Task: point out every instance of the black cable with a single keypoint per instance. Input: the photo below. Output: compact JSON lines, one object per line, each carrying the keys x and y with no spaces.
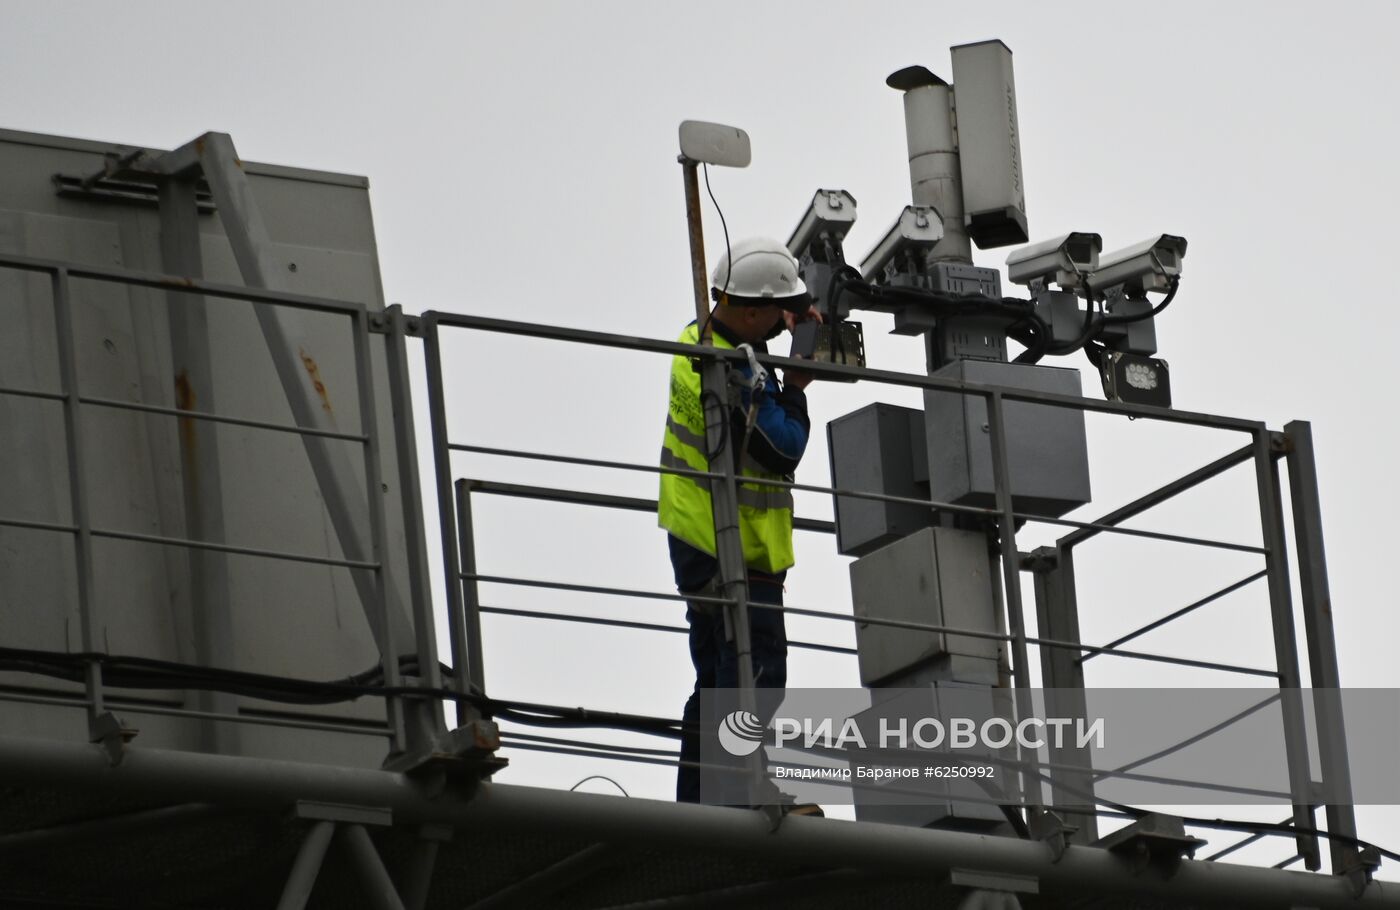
{"x":1173,"y":283}
{"x":723,"y":409}
{"x":149,"y":673}
{"x":729,"y":272}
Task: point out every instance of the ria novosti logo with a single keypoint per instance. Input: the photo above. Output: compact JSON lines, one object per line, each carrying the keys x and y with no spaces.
{"x":741,"y":733}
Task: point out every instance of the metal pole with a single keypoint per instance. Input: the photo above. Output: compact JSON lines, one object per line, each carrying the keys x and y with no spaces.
{"x":1011,"y":574}
{"x":378,"y":886}
{"x":415,"y":539}
{"x":1322,"y":643}
{"x":381,"y":619}
{"x":1285,"y":644}
{"x":306,"y":867}
{"x":729,"y":547}
{"x":1057,"y":614}
{"x":471,"y":592}
{"x":90,"y":629}
{"x":447,"y":522}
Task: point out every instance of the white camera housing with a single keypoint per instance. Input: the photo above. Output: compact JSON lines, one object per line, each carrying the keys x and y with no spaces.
{"x":1065,"y":260}
{"x":830,"y":215}
{"x":918,"y":228}
{"x":1146,"y":266}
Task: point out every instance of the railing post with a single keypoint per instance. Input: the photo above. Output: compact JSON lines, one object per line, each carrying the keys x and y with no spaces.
{"x":471,"y":593}
{"x":729,"y":547}
{"x":89,"y":624}
{"x":462,"y":663}
{"x":429,"y":712}
{"x":1285,"y":644}
{"x":1011,"y":576}
{"x":379,"y":549}
{"x":1322,"y":643}
{"x":1057,"y":614}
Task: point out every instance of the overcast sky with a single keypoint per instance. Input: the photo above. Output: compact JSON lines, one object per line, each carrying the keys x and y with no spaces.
{"x":522,"y":165}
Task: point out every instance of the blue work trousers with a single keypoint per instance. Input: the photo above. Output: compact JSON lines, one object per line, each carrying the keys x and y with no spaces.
{"x":717,"y":667}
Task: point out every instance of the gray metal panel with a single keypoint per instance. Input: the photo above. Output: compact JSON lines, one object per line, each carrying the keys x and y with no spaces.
{"x":989,"y":144}
{"x":1047,"y":450}
{"x":288,"y":618}
{"x":878,"y":449}
{"x":938,"y":576}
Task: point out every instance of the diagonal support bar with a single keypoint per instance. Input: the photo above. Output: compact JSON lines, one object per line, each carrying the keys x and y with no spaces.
{"x":306,"y":867}
{"x":379,"y":888}
{"x":341,"y":489}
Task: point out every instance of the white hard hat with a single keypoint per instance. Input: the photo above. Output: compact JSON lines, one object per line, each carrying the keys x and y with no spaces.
{"x":763,"y":272}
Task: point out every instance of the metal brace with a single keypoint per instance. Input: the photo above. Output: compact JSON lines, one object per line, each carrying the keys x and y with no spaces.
{"x":1360,"y":867}
{"x":1048,"y":828}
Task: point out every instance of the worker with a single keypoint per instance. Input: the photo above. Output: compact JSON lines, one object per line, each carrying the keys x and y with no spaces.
{"x":757,"y":293}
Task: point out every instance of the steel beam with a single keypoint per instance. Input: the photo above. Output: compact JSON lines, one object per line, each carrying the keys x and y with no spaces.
{"x":271,"y":786}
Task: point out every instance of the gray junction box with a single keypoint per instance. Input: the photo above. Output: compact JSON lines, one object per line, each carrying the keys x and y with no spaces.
{"x":937,"y":576}
{"x":878,"y":449}
{"x":1046,"y":446}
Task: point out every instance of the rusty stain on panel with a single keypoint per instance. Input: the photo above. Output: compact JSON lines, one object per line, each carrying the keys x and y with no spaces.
{"x":185,"y":401}
{"x":314,"y":372}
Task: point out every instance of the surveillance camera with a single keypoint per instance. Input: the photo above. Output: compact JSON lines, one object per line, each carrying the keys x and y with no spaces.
{"x":918,"y":229}
{"x":829,"y":217}
{"x":1065,"y":260}
{"x":1146,"y":266}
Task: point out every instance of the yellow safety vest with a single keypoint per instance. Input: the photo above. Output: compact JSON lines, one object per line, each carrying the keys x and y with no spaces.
{"x":684,"y":506}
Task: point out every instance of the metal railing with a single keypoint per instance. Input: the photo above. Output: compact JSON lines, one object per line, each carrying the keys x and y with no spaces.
{"x":1063,"y":655}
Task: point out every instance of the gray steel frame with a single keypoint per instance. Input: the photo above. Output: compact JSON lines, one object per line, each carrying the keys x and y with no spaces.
{"x":1053,"y":569}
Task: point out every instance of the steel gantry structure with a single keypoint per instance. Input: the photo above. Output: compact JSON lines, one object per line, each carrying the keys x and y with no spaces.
{"x":98,"y":814}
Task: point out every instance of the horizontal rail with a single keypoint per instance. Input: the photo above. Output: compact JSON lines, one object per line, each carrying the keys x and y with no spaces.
{"x":38,"y":525}
{"x":845,"y":617}
{"x":1042,"y":642}
{"x":835,"y":371}
{"x":236,"y":550}
{"x":856,"y":494}
{"x":647,"y":626}
{"x":180,"y":412}
{"x":33,"y":393}
{"x":609,"y":500}
{"x":164,"y":282}
{"x":295,"y":429}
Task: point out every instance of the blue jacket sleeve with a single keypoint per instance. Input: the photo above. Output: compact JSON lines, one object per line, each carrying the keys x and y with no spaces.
{"x":780,"y":431}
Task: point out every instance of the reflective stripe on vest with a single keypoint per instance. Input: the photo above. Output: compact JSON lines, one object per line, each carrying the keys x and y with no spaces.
{"x":684,"y":507}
